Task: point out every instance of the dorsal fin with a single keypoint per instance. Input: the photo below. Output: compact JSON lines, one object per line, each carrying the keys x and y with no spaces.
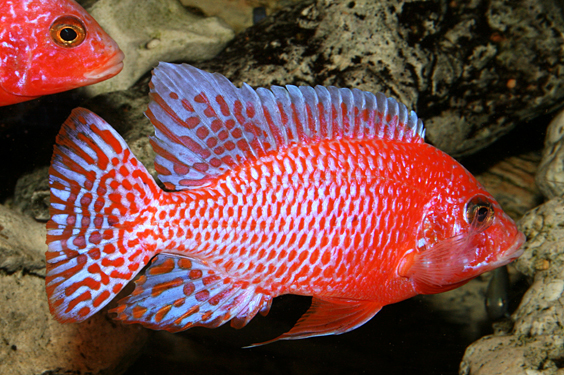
{"x":204,"y":125}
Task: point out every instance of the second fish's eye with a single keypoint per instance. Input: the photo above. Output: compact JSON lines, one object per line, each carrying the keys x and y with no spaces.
{"x":479,"y":211}
{"x":68,"y":31}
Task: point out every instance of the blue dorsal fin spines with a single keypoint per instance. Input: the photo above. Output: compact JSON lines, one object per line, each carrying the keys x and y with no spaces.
{"x":287,"y":125}
{"x":360,"y":105}
{"x":264,"y":136}
{"x":272,"y":117}
{"x":298,"y":113}
{"x":392,"y":111}
{"x":370,"y":104}
{"x":382,"y":105}
{"x":205,"y":126}
{"x":335,"y":112}
{"x":348,"y":116}
{"x":324,"y":113}
{"x":313,"y":116}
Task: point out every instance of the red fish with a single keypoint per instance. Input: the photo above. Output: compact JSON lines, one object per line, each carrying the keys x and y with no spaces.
{"x":323,"y":192}
{"x":49,"y":46}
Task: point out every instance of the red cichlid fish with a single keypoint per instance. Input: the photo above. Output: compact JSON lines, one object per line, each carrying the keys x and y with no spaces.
{"x":49,"y":46}
{"x":323,"y":192}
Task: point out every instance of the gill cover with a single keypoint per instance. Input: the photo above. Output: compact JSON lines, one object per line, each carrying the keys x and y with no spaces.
{"x":445,"y":264}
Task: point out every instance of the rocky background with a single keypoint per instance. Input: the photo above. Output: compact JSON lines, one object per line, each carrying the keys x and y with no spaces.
{"x":486,"y":78}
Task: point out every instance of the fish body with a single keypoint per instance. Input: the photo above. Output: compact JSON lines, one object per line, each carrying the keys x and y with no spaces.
{"x":49,"y":46}
{"x":324,"y":192}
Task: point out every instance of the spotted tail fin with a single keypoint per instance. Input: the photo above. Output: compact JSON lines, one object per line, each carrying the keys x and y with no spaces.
{"x":100,"y":197}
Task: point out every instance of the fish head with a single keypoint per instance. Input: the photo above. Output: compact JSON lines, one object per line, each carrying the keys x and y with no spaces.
{"x":464,"y":233}
{"x":56,"y":46}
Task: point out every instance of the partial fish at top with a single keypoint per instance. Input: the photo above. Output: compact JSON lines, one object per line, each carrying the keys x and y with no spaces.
{"x":49,"y":46}
{"x":323,"y":192}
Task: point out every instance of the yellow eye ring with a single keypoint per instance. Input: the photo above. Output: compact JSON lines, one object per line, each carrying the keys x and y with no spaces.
{"x":68,"y":31}
{"x":479,"y":212}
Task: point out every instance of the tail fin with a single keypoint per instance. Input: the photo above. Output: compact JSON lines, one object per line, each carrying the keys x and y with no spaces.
{"x":100,"y":194}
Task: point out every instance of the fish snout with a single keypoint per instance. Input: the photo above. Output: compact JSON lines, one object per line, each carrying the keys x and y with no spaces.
{"x":110,"y":68}
{"x":516,"y":249}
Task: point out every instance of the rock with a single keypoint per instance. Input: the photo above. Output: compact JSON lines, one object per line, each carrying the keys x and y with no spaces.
{"x":536,"y":343}
{"x":469,"y":69}
{"x":32,"y":341}
{"x":155,"y":30}
{"x":32,"y":194}
{"x":238,"y":14}
{"x":512,"y":183}
{"x":22,"y":243}
{"x":550,"y":176}
{"x":520,"y":356}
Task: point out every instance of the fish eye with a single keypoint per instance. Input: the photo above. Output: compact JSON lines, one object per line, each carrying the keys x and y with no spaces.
{"x":68,"y":31}
{"x":479,"y":211}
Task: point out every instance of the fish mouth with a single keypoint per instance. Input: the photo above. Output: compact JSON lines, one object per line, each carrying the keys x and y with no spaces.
{"x":516,"y":250}
{"x":112,"y":67}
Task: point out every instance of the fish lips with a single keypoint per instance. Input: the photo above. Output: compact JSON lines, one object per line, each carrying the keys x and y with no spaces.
{"x":112,"y":67}
{"x":511,"y":254}
{"x":516,"y":250}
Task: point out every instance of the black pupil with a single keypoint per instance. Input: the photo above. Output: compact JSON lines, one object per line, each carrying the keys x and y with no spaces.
{"x":482,"y":213}
{"x":68,"y":34}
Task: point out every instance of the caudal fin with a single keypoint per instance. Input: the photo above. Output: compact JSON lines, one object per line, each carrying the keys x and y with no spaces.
{"x":100,"y":196}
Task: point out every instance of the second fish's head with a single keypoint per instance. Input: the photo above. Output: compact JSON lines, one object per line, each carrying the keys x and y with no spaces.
{"x":57,"y":46}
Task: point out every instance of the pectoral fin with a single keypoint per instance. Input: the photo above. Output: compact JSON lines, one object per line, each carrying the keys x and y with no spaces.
{"x":330,"y":317}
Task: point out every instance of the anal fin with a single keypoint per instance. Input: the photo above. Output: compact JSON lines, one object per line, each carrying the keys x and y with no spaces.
{"x":177,"y":293}
{"x":330,"y":316}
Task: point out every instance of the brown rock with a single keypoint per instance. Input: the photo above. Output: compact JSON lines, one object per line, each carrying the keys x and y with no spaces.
{"x":150,"y":31}
{"x":550,"y":176}
{"x":512,"y":183}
